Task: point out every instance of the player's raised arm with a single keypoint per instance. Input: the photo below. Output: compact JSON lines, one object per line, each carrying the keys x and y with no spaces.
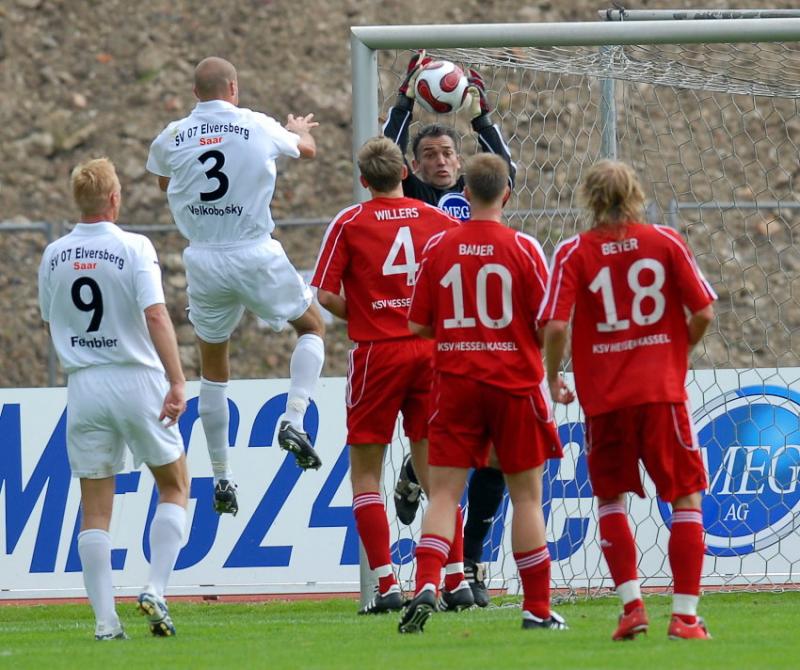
{"x":399,"y":118}
{"x":302,"y":126}
{"x":489,"y":136}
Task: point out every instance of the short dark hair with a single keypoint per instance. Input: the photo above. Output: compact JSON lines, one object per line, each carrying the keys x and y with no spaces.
{"x":380,"y":162}
{"x":486,"y":177}
{"x":435,"y":130}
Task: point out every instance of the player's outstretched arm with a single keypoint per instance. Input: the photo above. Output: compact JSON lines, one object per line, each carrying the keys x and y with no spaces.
{"x":698,"y":324}
{"x":333,"y":302}
{"x":489,"y":135}
{"x":159,"y":325}
{"x":555,"y":344}
{"x":302,"y":126}
{"x":399,"y":118}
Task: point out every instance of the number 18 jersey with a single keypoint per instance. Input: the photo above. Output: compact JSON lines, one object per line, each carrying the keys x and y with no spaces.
{"x":372,"y":250}
{"x":94,"y":285}
{"x":220,"y":161}
{"x":627,"y":295}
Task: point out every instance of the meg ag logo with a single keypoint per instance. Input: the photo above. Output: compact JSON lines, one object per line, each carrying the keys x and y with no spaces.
{"x":750,"y":439}
{"x":455,"y":204}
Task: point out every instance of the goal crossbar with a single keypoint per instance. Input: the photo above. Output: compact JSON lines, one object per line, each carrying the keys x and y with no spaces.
{"x":577,"y":34}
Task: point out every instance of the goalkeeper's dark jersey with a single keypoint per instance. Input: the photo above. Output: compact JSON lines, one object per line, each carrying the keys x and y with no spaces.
{"x":489,"y":138}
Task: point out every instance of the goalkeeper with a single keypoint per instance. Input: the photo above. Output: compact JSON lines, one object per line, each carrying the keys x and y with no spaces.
{"x":434,"y":176}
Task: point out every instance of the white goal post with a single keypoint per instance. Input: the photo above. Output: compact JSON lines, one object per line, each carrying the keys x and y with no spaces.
{"x":708,"y":112}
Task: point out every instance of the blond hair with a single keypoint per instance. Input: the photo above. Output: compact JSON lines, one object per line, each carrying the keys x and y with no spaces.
{"x":612,"y":192}
{"x":92,"y":184}
{"x":486,"y":177}
{"x":380,"y":162}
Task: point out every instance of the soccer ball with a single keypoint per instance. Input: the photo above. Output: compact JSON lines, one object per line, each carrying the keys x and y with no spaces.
{"x":441,"y":87}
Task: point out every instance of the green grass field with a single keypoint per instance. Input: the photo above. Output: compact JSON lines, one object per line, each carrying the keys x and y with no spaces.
{"x":750,"y":631}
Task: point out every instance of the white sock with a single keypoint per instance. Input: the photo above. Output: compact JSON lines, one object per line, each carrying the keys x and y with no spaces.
{"x":683,"y":603}
{"x":94,"y":548}
{"x":166,"y":538}
{"x":629,"y":591}
{"x":212,"y":406}
{"x":304,"y":370}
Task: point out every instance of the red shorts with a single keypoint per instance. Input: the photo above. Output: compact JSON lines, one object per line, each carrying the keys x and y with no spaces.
{"x":468,"y":416}
{"x":661,"y":435}
{"x":385,"y":378}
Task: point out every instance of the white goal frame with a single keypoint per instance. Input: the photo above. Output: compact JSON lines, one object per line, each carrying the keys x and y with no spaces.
{"x":616,"y":30}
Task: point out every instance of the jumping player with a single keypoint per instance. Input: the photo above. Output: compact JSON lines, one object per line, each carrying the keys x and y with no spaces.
{"x":477,"y":295}
{"x":628,"y":286}
{"x":370,"y":250}
{"x":217,"y":167}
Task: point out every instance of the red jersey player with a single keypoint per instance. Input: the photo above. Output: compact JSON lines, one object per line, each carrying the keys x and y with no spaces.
{"x":627,"y":287}
{"x":371,"y":250}
{"x":477,"y":295}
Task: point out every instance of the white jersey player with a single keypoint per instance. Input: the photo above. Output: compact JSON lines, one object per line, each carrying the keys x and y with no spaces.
{"x":100,"y":292}
{"x":217,"y":167}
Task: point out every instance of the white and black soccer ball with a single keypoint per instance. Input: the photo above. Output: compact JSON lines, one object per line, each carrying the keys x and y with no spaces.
{"x":441,"y":87}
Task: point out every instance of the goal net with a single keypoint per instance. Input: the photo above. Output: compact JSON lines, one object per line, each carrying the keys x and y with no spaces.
{"x":712,"y":128}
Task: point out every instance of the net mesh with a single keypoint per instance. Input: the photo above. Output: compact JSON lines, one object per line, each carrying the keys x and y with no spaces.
{"x":712,"y":131}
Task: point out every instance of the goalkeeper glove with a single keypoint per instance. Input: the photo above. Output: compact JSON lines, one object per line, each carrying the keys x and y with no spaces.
{"x":479,"y":104}
{"x":417,"y":62}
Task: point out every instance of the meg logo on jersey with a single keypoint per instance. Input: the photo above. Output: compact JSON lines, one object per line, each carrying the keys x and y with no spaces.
{"x":750,"y":439}
{"x":455,"y":204}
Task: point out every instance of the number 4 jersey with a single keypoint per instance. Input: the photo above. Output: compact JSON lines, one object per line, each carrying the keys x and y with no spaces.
{"x":372,"y":250}
{"x":220,"y":161}
{"x":94,"y":285}
{"x":480,"y":287}
{"x":629,"y":332}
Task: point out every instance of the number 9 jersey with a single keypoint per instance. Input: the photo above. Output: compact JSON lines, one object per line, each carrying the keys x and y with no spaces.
{"x":94,"y":285}
{"x":630,"y":342}
{"x":220,"y":161}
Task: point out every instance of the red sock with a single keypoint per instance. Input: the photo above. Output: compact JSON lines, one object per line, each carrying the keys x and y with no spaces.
{"x":534,"y":572}
{"x":619,"y":550}
{"x":373,"y":529}
{"x":431,"y":554}
{"x":454,"y":565}
{"x":686,"y":550}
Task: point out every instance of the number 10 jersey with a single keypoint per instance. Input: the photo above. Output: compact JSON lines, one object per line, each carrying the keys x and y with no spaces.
{"x":94,"y":285}
{"x":220,"y":161}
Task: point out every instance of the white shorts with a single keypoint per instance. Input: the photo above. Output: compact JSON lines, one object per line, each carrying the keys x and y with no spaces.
{"x":257,"y":275}
{"x":110,"y":406}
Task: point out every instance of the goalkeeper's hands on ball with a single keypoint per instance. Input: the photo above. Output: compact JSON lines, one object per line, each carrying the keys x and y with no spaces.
{"x":479,"y":104}
{"x":406,"y":93}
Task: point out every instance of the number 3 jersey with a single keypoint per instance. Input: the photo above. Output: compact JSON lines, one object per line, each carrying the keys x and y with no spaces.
{"x":94,"y":285}
{"x":372,"y":251}
{"x":220,"y":161}
{"x":480,"y":287}
{"x":630,"y":341}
